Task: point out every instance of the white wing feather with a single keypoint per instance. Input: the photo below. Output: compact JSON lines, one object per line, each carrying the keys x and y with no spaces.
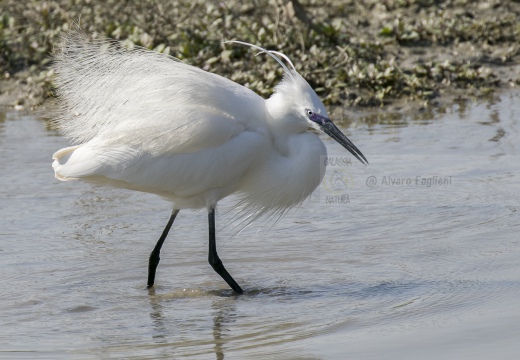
{"x":143,"y":97}
{"x":142,"y":118}
{"x":148,"y":122}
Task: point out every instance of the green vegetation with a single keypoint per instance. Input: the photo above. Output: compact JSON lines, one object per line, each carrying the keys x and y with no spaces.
{"x":369,"y":53}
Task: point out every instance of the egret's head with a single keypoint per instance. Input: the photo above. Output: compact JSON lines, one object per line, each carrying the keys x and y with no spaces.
{"x":293,"y":103}
{"x":296,"y":108}
{"x":297,"y":101}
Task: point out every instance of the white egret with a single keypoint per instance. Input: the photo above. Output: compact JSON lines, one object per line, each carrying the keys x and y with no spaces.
{"x":148,"y":122}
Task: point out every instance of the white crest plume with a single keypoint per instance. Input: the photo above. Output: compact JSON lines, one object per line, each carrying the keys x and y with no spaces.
{"x":271,"y":53}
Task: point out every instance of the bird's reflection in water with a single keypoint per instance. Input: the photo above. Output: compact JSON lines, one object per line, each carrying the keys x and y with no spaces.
{"x":219,"y":317}
{"x":156,"y":315}
{"x":224,"y":313}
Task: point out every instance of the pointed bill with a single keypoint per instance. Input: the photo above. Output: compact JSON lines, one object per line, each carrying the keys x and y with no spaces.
{"x":330,"y":129}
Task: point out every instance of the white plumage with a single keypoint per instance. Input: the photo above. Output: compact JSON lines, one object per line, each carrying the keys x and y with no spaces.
{"x":145,"y":121}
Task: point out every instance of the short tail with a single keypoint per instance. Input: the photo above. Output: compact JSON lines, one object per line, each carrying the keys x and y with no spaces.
{"x":93,"y":160}
{"x":60,"y":158}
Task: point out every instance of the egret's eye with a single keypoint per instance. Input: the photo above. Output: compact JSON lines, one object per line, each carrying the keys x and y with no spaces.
{"x":309,"y":112}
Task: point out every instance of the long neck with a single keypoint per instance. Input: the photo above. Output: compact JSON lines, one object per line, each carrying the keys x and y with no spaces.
{"x":282,"y":119}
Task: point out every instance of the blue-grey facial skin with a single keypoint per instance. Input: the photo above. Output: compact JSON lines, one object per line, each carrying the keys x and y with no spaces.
{"x":318,"y":119}
{"x":328,"y":127}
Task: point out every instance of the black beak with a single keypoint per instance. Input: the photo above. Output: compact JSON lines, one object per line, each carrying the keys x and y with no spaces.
{"x":330,"y":129}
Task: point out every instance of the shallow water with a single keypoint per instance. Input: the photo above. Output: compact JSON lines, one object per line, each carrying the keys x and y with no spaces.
{"x":415,"y":256}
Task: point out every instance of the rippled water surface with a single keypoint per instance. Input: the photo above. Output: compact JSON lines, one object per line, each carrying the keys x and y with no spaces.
{"x":416,"y":256}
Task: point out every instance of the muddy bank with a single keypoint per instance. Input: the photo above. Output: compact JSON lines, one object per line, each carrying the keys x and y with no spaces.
{"x":378,"y":53}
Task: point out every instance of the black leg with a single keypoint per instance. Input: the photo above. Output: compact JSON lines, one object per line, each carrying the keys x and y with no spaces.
{"x":213,"y":258}
{"x":154,"y":256}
